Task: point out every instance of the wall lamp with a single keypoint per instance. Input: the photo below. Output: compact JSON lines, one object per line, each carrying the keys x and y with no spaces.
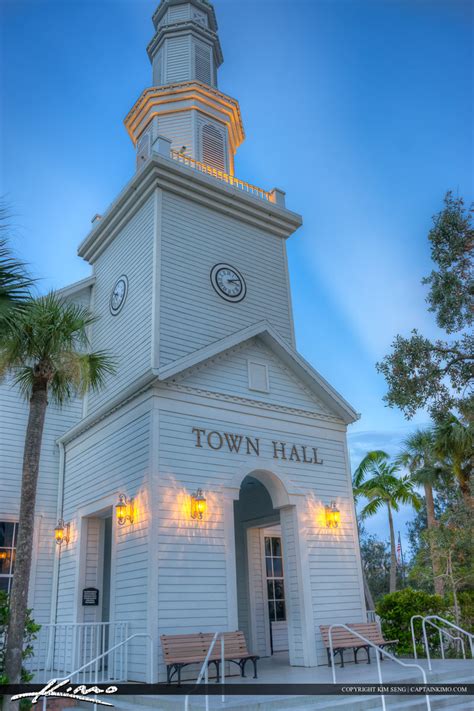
{"x":333,"y":516}
{"x":198,"y":505}
{"x":62,"y":532}
{"x":124,"y":510}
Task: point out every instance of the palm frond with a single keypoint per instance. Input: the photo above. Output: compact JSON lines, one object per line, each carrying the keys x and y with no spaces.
{"x":371,"y":463}
{"x":50,"y":334}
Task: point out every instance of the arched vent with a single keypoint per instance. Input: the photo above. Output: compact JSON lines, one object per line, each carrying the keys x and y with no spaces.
{"x":202,"y":62}
{"x":213,"y":152}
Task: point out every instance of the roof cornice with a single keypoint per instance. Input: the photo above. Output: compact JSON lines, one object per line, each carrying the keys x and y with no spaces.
{"x":202,"y":5}
{"x":157,"y":100}
{"x":169,"y":175}
{"x":185,"y":27}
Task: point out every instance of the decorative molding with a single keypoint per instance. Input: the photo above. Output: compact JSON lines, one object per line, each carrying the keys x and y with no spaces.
{"x":261,"y":404}
{"x":190,"y":26}
{"x":196,"y":95}
{"x":170,"y":175}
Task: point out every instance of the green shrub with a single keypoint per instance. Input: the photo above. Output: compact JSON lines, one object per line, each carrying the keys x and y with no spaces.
{"x":396,"y":610}
{"x":31,"y":628}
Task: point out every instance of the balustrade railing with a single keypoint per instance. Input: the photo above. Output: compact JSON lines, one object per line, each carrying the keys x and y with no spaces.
{"x":62,"y":647}
{"x":220,"y":175}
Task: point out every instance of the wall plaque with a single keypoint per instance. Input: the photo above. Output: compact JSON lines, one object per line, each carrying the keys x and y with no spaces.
{"x":90,"y":596}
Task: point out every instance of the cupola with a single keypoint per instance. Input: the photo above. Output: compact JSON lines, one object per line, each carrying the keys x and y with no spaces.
{"x":184,"y":104}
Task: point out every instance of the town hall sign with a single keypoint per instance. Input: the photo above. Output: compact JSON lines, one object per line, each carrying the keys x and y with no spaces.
{"x":215,"y":440}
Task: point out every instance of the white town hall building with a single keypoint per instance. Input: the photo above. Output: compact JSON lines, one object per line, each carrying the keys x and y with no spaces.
{"x":226,"y":449}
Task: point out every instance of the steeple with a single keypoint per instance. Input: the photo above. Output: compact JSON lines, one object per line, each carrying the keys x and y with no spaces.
{"x":184,"y":104}
{"x":185,"y":46}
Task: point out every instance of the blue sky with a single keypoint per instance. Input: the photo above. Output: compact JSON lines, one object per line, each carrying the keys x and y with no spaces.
{"x":360,"y":109}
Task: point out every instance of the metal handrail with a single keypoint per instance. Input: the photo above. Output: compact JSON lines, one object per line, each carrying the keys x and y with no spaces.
{"x":382,"y":651}
{"x":58,"y":639}
{"x":441,"y":632}
{"x":104,"y":654}
{"x":428,"y":619}
{"x":205,"y":669}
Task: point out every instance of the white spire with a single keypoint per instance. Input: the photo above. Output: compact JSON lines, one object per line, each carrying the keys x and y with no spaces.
{"x":184,"y":104}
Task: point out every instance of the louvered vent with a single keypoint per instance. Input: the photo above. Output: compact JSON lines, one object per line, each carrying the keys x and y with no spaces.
{"x":202,"y":62}
{"x":143,"y":149}
{"x":213,"y":147}
{"x":178,"y":60}
{"x":178,"y":13}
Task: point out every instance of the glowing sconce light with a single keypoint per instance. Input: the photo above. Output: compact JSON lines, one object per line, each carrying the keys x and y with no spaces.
{"x":333,"y":516}
{"x":62,"y":532}
{"x":4,"y":555}
{"x":198,"y":505}
{"x":124,"y":510}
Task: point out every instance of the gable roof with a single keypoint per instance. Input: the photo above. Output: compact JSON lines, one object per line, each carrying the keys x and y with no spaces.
{"x":288,"y":355}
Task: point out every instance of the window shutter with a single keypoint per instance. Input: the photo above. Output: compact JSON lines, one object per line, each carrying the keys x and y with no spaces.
{"x":213,"y":153}
{"x":202,"y":62}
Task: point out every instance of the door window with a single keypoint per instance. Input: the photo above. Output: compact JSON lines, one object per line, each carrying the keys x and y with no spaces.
{"x":275,"y":580}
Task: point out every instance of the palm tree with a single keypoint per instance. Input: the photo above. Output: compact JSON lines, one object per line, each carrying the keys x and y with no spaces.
{"x":419,"y":457}
{"x":384,"y":488}
{"x":454,"y":445}
{"x":44,"y":348}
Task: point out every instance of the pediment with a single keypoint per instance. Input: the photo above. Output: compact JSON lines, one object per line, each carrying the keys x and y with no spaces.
{"x":256,"y":364}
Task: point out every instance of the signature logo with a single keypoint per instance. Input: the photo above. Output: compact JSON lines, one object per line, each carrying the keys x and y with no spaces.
{"x":53,"y":690}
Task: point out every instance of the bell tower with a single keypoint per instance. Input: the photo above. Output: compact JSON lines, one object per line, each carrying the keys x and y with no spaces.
{"x":184,"y":104}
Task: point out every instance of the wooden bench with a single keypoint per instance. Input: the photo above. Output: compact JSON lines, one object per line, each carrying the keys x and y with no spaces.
{"x":180,"y":650}
{"x":343,"y":639}
{"x":372,"y":631}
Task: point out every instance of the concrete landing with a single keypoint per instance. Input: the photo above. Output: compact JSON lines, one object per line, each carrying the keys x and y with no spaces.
{"x":277,"y":670}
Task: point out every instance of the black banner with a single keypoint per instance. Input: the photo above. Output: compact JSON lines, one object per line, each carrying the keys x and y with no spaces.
{"x":251,"y":689}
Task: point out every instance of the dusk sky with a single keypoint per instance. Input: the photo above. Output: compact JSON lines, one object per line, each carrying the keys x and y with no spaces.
{"x":361,"y":110}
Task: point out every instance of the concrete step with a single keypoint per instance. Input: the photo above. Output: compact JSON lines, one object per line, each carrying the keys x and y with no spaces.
{"x":462,"y":674}
{"x":290,"y":703}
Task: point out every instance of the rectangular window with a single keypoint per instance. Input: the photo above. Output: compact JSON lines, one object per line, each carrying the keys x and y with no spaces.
{"x":275,"y":581}
{"x":8,"y":534}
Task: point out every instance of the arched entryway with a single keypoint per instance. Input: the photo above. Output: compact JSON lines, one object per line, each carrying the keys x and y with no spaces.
{"x":271,"y":606}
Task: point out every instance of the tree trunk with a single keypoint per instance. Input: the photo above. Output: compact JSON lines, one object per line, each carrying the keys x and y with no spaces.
{"x":433,"y":523}
{"x":457,"y":609}
{"x":369,"y":600}
{"x":21,"y":577}
{"x":393,"y":557}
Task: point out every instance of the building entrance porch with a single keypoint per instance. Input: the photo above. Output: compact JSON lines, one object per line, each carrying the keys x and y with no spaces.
{"x":271,"y":602}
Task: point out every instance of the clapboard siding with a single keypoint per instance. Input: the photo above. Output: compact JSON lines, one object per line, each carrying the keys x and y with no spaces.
{"x":192,"y":555}
{"x":13,"y":423}
{"x":178,"y":128}
{"x":192,"y":315}
{"x":112,"y":458}
{"x":228,"y":373}
{"x":126,"y":336}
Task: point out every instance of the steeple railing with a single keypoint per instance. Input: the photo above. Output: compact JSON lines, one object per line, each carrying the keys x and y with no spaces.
{"x":220,"y":175}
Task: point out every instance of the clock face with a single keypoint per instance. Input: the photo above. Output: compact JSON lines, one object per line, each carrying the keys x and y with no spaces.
{"x":228,"y":282}
{"x":119,"y":294}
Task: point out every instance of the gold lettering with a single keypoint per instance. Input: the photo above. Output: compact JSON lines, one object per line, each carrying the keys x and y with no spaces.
{"x":282,"y":449}
{"x":219,"y":436}
{"x":198,"y":436}
{"x":255,"y":445}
